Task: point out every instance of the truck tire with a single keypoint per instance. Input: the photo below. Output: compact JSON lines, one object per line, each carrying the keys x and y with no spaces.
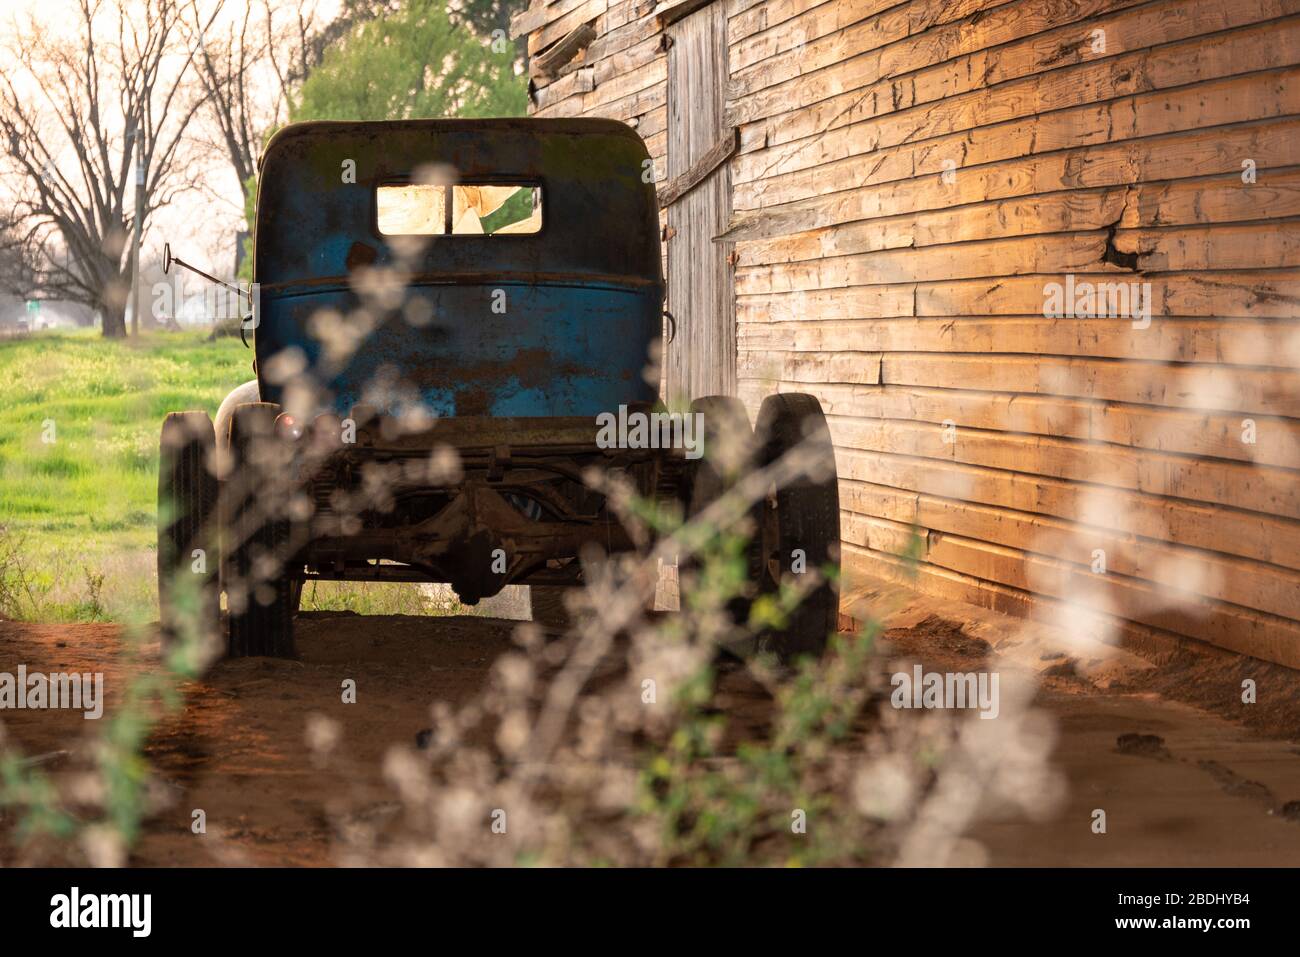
{"x":259,"y":590}
{"x":725,"y":420}
{"x":806,"y":518}
{"x":188,"y":559}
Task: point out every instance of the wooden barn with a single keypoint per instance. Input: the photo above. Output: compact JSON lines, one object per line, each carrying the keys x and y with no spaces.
{"x":1037,"y":259}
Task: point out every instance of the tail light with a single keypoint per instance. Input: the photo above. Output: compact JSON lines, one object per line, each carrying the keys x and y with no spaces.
{"x":288,"y":426}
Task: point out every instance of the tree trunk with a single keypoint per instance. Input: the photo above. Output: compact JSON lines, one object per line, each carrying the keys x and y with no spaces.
{"x":114,"y":320}
{"x":113,"y":295}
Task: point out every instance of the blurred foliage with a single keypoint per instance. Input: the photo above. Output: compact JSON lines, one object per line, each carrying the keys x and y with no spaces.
{"x":414,"y":62}
{"x":245,"y":273}
{"x":720,"y":804}
{"x":485,"y":17}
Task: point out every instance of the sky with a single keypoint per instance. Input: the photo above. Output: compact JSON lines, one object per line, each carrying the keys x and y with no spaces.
{"x":201,"y":225}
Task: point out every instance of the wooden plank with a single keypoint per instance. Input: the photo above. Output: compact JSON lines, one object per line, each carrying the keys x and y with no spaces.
{"x":772,"y":13}
{"x":1230,"y":342}
{"x":859,"y":368}
{"x":893,"y":24}
{"x":811,"y":25}
{"x":1263,"y":537}
{"x":538,"y":14}
{"x":1251,"y":487}
{"x":1217,"y":435}
{"x":1251,"y":584}
{"x":564,"y":50}
{"x":1193,"y":386}
{"x":1001,"y":47}
{"x":880,"y":535}
{"x":864,"y":568}
{"x":737,"y":7}
{"x":573,"y":13}
{"x":547,"y":99}
{"x":570,"y":105}
{"x":1202,"y":200}
{"x":713,"y":157}
{"x":842,"y":303}
{"x":1274,"y":243}
{"x":911,"y":178}
{"x":657,"y":146}
{"x":619,"y":87}
{"x":831,"y":131}
{"x":634,"y":104}
{"x":1226,"y":626}
{"x":653,"y":122}
{"x":618,"y":15}
{"x":1149,"y":112}
{"x":1053,"y":256}
{"x":768,"y":240}
{"x":610,"y":42}
{"x":1270,"y":295}
{"x":1210,"y":387}
{"x":668,"y":12}
{"x":626,"y":61}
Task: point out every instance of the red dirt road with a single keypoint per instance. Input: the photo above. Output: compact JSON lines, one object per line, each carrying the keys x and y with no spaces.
{"x":1212,"y":793}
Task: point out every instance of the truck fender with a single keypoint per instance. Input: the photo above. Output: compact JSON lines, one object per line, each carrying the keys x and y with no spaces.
{"x":238,"y":396}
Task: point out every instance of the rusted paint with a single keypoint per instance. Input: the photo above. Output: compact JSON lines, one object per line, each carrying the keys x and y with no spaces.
{"x":514,"y":391}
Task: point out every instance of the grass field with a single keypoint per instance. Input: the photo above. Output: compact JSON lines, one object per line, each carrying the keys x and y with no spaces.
{"x":79,"y":424}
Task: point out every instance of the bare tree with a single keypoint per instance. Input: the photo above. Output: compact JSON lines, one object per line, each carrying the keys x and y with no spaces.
{"x":226,"y":63}
{"x":298,"y":37}
{"x":251,"y":61}
{"x":77,"y":116}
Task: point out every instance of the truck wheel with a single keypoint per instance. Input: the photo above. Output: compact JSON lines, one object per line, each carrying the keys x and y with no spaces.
{"x":188,"y":560}
{"x":728,"y":457}
{"x":801,"y":524}
{"x":727,"y":449}
{"x":259,"y":590}
{"x":548,"y":608}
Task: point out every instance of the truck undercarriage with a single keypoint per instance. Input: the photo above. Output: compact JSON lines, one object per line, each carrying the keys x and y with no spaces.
{"x":477,"y":502}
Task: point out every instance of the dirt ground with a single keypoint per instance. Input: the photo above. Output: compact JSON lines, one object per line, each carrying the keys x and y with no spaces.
{"x":1180,"y":785}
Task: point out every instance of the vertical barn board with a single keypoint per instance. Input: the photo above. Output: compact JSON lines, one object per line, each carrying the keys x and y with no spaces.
{"x":702,"y":357}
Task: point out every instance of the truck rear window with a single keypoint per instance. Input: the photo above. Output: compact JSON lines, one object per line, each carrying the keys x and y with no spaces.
{"x":463,"y":209}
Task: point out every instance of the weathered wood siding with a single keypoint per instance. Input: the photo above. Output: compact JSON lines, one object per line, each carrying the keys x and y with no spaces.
{"x":701,"y":359}
{"x":910,"y":180}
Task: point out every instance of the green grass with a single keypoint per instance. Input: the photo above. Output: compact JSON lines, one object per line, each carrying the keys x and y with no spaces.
{"x":83,"y":505}
{"x":78,"y":539}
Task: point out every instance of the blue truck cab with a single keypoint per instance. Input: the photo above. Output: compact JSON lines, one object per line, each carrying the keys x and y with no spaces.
{"x":443,"y":314}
